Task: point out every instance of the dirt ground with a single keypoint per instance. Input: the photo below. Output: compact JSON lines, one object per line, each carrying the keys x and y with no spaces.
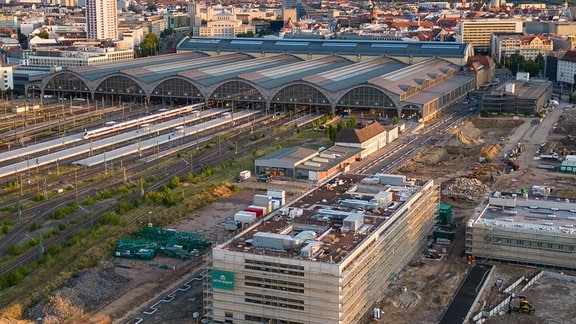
{"x":423,"y":291}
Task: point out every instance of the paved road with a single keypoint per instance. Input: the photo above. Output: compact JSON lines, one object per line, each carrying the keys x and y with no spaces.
{"x":464,"y":299}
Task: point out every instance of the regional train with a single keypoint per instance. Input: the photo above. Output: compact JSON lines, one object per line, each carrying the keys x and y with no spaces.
{"x":111,"y":127}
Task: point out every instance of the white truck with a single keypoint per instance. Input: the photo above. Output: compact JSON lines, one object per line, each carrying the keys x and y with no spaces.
{"x":244,"y":175}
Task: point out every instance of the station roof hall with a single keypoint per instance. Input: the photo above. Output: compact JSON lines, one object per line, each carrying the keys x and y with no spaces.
{"x":392,"y":77}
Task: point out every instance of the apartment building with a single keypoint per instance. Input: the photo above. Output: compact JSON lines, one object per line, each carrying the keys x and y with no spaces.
{"x":530,"y":46}
{"x":102,"y":19}
{"x":479,"y":32}
{"x":567,"y":68}
{"x":327,"y":258}
{"x":535,"y":231}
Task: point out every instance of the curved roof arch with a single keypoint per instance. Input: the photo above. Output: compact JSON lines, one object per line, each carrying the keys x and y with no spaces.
{"x":237,"y":89}
{"x":177,"y":86}
{"x":120,"y":83}
{"x":66,"y":81}
{"x":301,"y":92}
{"x":366,"y":96}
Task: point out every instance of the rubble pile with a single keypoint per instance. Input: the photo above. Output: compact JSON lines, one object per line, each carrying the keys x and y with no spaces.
{"x":406,"y":299}
{"x":465,"y":189}
{"x":88,"y":290}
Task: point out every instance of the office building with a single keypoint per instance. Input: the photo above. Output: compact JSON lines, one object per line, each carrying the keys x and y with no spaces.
{"x":528,"y":230}
{"x":327,"y":258}
{"x":102,"y":19}
{"x":479,"y":32}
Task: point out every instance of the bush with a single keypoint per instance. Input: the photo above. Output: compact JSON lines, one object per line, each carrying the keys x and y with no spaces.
{"x":34,"y":226}
{"x":173,"y":183}
{"x":38,"y":197}
{"x":110,"y":219}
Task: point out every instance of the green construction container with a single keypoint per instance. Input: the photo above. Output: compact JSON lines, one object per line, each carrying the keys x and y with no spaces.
{"x":445,"y":214}
{"x":443,"y":234}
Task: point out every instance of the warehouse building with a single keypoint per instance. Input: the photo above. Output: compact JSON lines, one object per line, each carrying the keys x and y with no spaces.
{"x":534,"y":231}
{"x":327,"y":258}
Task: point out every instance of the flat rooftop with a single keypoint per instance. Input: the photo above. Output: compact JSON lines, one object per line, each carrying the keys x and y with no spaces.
{"x":341,"y":214}
{"x":541,"y":214}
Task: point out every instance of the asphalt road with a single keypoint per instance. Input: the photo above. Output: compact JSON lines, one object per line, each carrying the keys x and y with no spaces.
{"x":464,"y":299}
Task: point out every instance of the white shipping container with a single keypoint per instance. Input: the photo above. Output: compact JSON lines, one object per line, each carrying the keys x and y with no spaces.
{"x":245,"y":217}
{"x":277,"y":193}
{"x":261,"y":200}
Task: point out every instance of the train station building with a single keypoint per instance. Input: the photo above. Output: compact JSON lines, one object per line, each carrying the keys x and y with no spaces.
{"x":384,"y":78}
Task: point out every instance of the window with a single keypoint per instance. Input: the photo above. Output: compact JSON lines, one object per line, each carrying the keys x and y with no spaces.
{"x":228,"y":314}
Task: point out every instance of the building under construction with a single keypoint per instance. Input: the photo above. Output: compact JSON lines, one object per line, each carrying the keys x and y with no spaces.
{"x":327,"y":258}
{"x":517,"y":228}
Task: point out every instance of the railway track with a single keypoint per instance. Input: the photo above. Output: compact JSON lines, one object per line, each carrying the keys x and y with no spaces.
{"x":210,"y":156}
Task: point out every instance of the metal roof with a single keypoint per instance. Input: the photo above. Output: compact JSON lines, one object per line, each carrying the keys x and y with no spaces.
{"x":321,"y":46}
{"x":357,"y":73}
{"x":95,"y":72}
{"x":151,"y":73}
{"x":399,"y":81}
{"x":277,"y":76}
{"x":218,"y":73}
{"x":438,"y":90}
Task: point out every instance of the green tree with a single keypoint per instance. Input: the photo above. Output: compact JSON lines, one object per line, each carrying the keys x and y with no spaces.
{"x":332,"y":132}
{"x":532,"y":68}
{"x":351,"y":122}
{"x":248,"y":34}
{"x":149,"y":46}
{"x":395,"y":120}
{"x":540,"y":61}
{"x":43,"y":34}
{"x":166,"y":32}
{"x":341,"y":125}
{"x":517,"y":63}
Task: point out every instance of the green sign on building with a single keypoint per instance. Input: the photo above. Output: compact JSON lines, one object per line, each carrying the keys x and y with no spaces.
{"x":222,"y":279}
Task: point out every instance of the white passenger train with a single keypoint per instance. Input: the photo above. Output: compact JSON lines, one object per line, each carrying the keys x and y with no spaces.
{"x":111,"y":126}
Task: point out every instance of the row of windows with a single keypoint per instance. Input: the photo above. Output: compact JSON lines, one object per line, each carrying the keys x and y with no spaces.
{"x":274,"y":270}
{"x":274,"y":264}
{"x":549,"y":246}
{"x":274,"y":298}
{"x":275,"y":287}
{"x":260,"y":319}
{"x":275,"y":301}
{"x":274,"y":281}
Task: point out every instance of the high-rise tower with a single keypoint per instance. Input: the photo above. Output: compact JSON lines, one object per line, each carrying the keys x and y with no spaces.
{"x":102,"y":19}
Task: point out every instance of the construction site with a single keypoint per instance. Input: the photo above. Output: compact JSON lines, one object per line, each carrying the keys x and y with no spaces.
{"x":479,"y":158}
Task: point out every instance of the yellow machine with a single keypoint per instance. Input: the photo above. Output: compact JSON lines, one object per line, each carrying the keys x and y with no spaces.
{"x":521,"y":304}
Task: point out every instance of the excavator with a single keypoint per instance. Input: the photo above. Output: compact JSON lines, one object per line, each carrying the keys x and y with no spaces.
{"x":521,"y":305}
